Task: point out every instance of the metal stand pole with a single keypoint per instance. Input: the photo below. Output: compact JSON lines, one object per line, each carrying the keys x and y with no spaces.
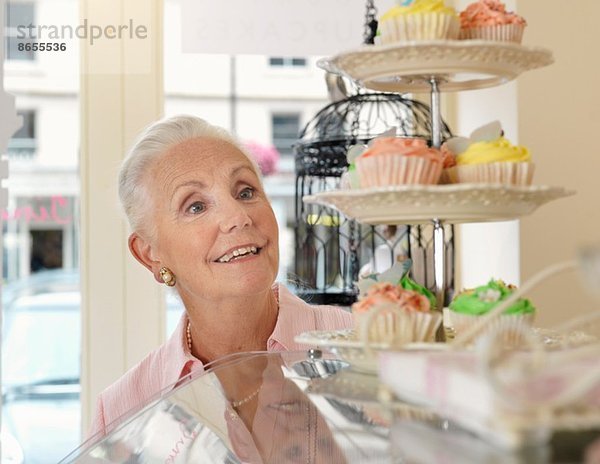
{"x":439,"y":254}
{"x":439,"y":262}
{"x":439,"y":244}
{"x":436,"y":115}
{"x":439,"y":272}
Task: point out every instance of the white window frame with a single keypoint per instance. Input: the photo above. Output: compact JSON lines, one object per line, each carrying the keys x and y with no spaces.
{"x":123,"y":309}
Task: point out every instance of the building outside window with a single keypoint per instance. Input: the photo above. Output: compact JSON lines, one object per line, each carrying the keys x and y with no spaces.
{"x":17,"y":14}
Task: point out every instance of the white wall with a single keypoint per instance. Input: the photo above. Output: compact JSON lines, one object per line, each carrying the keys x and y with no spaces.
{"x":492,"y":249}
{"x":559,"y":109}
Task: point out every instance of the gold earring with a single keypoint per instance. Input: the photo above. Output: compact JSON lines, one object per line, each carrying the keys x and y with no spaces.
{"x":167,"y":276}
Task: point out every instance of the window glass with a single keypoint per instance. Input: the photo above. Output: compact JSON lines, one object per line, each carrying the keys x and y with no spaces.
{"x":22,"y":144}
{"x":31,"y":329}
{"x":41,"y":334}
{"x":298,"y":62}
{"x":287,"y":61}
{"x":286,"y":128}
{"x":27,"y":130}
{"x":18,"y":15}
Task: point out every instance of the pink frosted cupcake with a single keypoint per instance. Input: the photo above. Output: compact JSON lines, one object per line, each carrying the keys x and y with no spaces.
{"x":489,"y":20}
{"x":399,"y":161}
{"x":390,"y":314}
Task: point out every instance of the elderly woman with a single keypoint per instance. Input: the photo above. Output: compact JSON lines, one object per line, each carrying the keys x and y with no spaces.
{"x":202,"y":224}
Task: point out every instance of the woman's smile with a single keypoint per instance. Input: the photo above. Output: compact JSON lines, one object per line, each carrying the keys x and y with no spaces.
{"x":239,"y":254}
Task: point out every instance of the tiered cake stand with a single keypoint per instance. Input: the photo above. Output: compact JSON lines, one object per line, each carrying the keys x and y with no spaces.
{"x":434,"y":67}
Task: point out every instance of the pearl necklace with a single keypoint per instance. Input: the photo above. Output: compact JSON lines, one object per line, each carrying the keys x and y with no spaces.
{"x":234,"y":404}
{"x":188,"y":335}
{"x":247,"y":399}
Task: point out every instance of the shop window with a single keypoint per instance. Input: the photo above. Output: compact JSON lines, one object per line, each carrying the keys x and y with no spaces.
{"x":285,"y":129}
{"x":18,"y":15}
{"x":41,"y":333}
{"x":280,"y":61}
{"x":23,"y":144}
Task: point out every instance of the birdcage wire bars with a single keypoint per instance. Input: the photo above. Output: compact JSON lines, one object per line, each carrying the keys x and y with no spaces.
{"x":331,"y":251}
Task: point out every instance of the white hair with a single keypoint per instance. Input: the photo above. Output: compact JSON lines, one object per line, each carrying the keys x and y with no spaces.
{"x":154,"y":141}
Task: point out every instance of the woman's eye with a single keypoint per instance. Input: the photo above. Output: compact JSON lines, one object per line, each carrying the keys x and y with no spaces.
{"x":195,"y":208}
{"x":247,"y":193}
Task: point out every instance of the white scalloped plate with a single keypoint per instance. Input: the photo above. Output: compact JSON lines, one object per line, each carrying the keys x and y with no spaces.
{"x":346,"y":345}
{"x":459,"y":64}
{"x":456,"y":203}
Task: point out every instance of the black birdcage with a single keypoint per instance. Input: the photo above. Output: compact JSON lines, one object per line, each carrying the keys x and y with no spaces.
{"x":331,"y":250}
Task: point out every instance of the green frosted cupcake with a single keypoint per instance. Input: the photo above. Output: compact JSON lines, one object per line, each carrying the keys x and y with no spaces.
{"x":469,"y":305}
{"x":481,"y":300}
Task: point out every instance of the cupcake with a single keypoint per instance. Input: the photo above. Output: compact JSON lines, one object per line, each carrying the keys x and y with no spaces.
{"x":387,"y":312}
{"x":489,"y":20}
{"x":469,"y":305}
{"x":488,"y":157}
{"x":398,"y":161}
{"x":418,"y":20}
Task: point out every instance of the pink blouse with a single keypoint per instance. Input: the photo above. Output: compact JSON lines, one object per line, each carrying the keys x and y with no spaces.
{"x":163,"y":367}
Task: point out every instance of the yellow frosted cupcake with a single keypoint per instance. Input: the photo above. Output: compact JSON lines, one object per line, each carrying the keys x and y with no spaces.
{"x":418,"y":20}
{"x":487,"y":157}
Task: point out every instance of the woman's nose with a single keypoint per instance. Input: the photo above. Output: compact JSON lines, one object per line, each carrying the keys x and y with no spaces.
{"x":234,"y":215}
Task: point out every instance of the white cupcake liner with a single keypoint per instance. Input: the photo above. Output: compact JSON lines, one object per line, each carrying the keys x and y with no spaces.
{"x":507,"y":173}
{"x":394,"y":325}
{"x":510,"y":324}
{"x":385,"y":170}
{"x":500,"y":33}
{"x":419,"y":26}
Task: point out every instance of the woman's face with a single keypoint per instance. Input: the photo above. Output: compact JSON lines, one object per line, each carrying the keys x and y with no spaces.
{"x":214,"y":227}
